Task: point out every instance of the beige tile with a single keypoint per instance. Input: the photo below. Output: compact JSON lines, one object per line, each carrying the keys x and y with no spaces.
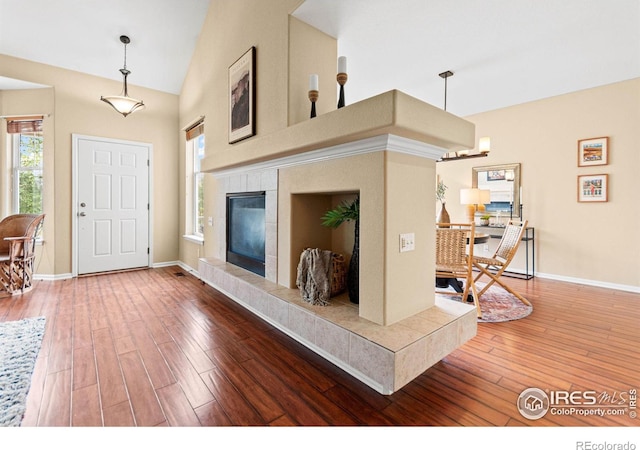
{"x":302,"y":323}
{"x":372,"y":360}
{"x":410,"y":362}
{"x":278,"y":310}
{"x":441,"y":343}
{"x":332,"y":338}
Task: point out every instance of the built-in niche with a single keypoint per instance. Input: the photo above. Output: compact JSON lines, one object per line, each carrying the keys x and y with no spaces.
{"x":307,"y":228}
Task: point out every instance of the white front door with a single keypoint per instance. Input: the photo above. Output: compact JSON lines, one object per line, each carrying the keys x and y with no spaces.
{"x":112,"y":205}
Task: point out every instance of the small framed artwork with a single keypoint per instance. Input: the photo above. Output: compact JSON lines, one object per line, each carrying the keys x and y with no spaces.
{"x":593,"y":152}
{"x":593,"y":188}
{"x":496,"y":175}
{"x":242,"y":98}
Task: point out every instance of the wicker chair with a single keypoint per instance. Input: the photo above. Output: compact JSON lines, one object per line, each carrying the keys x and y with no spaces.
{"x":17,"y":250}
{"x":495,"y":266}
{"x":453,"y":260}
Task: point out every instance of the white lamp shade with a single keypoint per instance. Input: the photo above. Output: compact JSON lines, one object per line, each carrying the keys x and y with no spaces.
{"x":484,"y":144}
{"x":485,"y":197}
{"x":470,"y":196}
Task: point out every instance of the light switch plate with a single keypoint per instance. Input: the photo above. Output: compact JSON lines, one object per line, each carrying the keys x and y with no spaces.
{"x":407,"y":242}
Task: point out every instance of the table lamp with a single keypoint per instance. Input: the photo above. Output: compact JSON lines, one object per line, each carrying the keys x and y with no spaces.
{"x":472,"y":197}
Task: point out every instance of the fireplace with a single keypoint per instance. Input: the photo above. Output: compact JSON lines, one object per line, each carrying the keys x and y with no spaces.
{"x":246,"y":231}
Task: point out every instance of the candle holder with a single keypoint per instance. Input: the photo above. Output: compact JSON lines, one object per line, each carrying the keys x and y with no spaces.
{"x":313,"y":96}
{"x":342,"y":79}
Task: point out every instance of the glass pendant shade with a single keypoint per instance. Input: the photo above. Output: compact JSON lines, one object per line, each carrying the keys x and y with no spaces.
{"x":122,"y":103}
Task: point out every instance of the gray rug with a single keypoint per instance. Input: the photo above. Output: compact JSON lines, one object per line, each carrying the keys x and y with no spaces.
{"x":19,"y":346}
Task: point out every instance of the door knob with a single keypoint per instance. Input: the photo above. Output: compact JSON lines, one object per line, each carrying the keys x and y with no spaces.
{"x":83,"y":204}
{"x":82,"y":214}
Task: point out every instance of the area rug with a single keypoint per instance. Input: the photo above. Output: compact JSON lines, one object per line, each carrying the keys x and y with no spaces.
{"x":497,"y":305}
{"x":19,"y":346}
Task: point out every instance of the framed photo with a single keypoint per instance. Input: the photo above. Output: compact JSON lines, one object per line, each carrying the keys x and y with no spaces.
{"x":496,"y":175}
{"x":593,"y":152}
{"x":242,"y":97}
{"x":593,"y":188}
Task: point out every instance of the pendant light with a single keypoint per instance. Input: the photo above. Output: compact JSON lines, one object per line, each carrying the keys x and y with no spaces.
{"x":122,"y":103}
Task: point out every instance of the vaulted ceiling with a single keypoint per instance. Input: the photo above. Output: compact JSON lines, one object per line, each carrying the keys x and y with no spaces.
{"x":502,"y":52}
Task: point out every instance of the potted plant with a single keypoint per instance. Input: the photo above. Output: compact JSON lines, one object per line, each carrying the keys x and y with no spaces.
{"x":441,"y":189}
{"x":484,"y":219}
{"x":346,"y":212}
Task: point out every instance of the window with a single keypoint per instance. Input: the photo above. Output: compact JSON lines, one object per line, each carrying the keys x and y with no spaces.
{"x":27,"y":148}
{"x":194,"y":223}
{"x":198,"y":186}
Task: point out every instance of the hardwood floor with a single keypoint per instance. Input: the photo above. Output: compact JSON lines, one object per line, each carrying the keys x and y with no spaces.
{"x":159,"y":348}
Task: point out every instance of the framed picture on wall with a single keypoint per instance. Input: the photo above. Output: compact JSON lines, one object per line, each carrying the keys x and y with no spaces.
{"x":242,"y":97}
{"x":593,"y":152}
{"x":593,"y":188}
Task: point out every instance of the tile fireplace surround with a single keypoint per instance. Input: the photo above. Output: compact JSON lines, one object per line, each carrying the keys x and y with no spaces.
{"x":400,"y":328}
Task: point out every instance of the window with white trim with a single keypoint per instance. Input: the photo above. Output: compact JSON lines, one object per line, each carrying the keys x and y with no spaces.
{"x":198,"y":186}
{"x":27,"y":145}
{"x":195,"y":180}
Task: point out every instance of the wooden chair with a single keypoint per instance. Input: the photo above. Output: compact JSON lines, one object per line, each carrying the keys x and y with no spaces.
{"x":494,"y":266}
{"x":17,"y":250}
{"x":453,"y":260}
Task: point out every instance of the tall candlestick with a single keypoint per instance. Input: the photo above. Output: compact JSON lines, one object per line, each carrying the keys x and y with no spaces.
{"x":342,"y":78}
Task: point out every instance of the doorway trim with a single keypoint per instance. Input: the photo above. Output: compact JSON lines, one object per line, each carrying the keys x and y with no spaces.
{"x":75,"y":138}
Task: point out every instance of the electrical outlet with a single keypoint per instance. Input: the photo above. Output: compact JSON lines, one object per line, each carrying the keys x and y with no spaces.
{"x":485,"y":248}
{"x":407,"y":242}
{"x":210,"y":221}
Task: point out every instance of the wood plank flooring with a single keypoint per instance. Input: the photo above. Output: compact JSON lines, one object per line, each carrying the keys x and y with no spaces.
{"x":159,"y":348}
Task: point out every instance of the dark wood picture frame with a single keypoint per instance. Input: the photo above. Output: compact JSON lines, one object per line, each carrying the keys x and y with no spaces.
{"x":242,"y":97}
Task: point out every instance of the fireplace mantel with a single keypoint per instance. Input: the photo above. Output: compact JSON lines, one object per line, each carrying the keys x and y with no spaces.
{"x":391,"y":113}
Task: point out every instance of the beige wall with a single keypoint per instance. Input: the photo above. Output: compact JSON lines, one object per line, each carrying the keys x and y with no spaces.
{"x":77,"y":109}
{"x":230,"y":29}
{"x":583,"y":242}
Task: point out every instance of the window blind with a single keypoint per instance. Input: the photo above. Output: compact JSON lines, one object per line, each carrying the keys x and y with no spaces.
{"x":26,"y":124}
{"x":195,"y":130}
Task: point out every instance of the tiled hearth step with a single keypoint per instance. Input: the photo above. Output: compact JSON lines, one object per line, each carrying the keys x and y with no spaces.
{"x":383,"y":357}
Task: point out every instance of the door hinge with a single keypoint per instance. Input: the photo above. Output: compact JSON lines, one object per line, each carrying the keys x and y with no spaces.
{"x":147,"y":250}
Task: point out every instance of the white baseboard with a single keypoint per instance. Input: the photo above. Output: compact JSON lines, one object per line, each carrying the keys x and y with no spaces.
{"x":594,"y":283}
{"x":52,"y":277}
{"x":180,"y":264}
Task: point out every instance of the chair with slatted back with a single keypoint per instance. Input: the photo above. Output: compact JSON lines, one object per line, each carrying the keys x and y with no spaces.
{"x":454,"y":258}
{"x":494,"y":266}
{"x":18,"y":234}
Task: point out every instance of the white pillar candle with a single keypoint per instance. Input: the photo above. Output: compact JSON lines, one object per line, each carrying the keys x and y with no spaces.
{"x":521,"y":195}
{"x":342,"y":64}
{"x":313,"y":82}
